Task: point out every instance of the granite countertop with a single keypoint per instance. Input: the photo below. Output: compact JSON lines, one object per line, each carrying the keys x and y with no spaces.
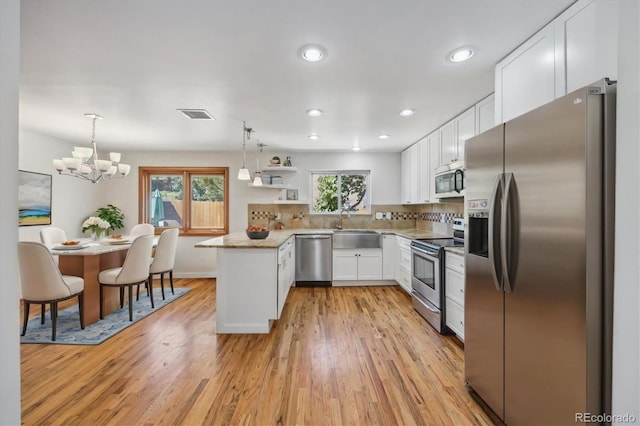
{"x":456,"y":250}
{"x":277,"y":238}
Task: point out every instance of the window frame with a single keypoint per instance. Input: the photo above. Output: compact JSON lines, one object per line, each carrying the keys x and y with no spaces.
{"x":339,"y":172}
{"x":144,"y":192}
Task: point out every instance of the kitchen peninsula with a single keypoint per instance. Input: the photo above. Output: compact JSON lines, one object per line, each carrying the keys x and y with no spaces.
{"x":254,"y":276}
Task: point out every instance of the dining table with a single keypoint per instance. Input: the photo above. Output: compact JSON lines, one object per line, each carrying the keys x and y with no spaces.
{"x":87,"y":259}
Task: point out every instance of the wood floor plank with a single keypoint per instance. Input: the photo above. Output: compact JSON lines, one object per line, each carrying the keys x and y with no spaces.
{"x":349,"y":355}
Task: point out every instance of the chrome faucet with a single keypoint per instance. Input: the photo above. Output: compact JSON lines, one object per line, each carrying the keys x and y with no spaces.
{"x":346,"y":207}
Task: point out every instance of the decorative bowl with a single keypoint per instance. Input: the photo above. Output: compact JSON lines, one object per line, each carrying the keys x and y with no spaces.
{"x":257,"y":235}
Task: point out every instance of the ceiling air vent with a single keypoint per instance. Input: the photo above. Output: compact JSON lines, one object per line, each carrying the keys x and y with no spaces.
{"x":197,"y":114}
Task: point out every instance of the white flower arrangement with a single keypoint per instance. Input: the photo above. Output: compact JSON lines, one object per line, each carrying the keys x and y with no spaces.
{"x":95,"y":225}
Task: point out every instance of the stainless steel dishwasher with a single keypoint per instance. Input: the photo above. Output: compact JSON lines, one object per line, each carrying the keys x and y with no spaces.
{"x":313,"y":260}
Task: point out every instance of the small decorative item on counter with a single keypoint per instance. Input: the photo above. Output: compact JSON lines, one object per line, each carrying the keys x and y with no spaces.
{"x":257,"y":232}
{"x":275,"y":161}
{"x":287,"y":162}
{"x":279,"y":225}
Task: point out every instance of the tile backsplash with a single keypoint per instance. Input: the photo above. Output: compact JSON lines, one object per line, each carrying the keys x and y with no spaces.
{"x":429,"y":217}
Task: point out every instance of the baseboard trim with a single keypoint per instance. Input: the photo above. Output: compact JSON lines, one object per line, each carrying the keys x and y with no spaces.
{"x":194,"y":275}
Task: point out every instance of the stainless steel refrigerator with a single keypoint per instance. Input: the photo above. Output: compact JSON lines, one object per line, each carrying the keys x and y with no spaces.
{"x":539,"y":260}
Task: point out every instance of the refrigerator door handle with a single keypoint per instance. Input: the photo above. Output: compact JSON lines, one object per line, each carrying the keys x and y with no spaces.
{"x":509,"y":240}
{"x":495,"y":213}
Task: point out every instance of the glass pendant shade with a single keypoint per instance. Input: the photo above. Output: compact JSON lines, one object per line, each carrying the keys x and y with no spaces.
{"x":257,"y":180}
{"x":243,"y":174}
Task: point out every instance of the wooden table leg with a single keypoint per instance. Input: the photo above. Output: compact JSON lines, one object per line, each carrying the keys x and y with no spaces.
{"x":88,"y":267}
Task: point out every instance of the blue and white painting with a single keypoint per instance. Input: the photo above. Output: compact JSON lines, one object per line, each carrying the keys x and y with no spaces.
{"x":34,"y":198}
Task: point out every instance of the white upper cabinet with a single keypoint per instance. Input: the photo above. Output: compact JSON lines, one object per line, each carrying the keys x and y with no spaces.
{"x":409,"y":180}
{"x":575,"y":49}
{"x":454,"y":134}
{"x":465,"y":125}
{"x":526,"y":78}
{"x":591,"y":32}
{"x":434,"y":162}
{"x":424,"y":171}
{"x":448,"y":148}
{"x":485,"y":114}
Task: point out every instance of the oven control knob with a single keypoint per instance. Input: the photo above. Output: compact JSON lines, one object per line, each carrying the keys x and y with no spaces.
{"x":483,"y":204}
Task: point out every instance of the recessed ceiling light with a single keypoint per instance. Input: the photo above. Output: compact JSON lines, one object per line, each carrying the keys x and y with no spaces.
{"x":356,"y":148}
{"x":461,"y":54}
{"x":407,"y":112}
{"x":312,"y":52}
{"x":383,"y":136}
{"x":314,"y":112}
{"x":313,"y":137}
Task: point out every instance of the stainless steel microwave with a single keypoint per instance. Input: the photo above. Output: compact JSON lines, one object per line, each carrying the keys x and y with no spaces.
{"x":450,"y":180}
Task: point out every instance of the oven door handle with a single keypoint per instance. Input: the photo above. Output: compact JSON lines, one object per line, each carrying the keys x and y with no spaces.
{"x":495,"y":213}
{"x":420,"y":251}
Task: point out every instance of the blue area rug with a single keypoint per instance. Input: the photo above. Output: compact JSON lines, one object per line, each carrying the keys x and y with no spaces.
{"x":68,"y":331}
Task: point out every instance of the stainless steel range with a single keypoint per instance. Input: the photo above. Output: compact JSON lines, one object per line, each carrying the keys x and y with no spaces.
{"x":427,"y":278}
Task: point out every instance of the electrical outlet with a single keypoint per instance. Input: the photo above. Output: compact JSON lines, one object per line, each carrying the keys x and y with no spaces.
{"x":278,"y":216}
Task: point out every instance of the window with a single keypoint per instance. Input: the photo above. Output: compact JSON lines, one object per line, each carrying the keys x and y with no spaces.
{"x":353,"y":193}
{"x":204,"y":211}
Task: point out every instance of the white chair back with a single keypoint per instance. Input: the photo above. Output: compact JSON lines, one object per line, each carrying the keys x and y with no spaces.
{"x":40,"y":278}
{"x":165,"y":256}
{"x":136,"y":264}
{"x":142,"y":229}
{"x":52,"y":235}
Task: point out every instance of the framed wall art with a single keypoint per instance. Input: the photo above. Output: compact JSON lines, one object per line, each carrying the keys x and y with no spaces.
{"x":292,"y":194}
{"x":34,"y":198}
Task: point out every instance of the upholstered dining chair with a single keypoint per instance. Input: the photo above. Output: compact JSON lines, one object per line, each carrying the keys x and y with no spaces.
{"x":42,"y":283}
{"x":165,"y":257}
{"x":142,"y":229}
{"x":52,"y":235}
{"x":134,"y":271}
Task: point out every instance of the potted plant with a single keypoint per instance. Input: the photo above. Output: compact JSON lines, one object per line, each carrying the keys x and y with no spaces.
{"x":113,"y":215}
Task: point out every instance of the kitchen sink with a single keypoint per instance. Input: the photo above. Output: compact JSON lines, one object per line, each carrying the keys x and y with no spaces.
{"x":353,"y":239}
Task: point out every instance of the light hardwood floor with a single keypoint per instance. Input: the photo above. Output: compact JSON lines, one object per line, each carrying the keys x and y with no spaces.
{"x":351,"y":355}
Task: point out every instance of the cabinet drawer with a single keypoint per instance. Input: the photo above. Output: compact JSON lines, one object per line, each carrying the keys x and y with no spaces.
{"x":405,"y":259}
{"x":404,"y":279}
{"x":404,"y":243}
{"x":454,"y":285}
{"x":454,"y":261}
{"x":455,"y":317}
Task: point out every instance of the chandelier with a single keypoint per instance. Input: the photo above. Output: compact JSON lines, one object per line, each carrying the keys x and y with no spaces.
{"x":85,"y":164}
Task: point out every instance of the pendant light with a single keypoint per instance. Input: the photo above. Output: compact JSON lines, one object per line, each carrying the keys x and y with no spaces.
{"x":257,"y":180}
{"x":243,"y":173}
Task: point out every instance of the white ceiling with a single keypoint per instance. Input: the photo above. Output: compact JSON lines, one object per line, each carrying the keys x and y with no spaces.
{"x":136,"y":61}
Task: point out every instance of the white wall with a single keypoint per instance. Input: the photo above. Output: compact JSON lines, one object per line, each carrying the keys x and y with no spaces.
{"x":9,"y":308}
{"x":72,"y":200}
{"x":626,"y":317}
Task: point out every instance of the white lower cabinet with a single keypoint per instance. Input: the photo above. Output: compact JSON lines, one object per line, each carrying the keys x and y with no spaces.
{"x":388,"y":257}
{"x":286,"y":271}
{"x":357,"y":265}
{"x":454,"y":293}
{"x":403,"y":263}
